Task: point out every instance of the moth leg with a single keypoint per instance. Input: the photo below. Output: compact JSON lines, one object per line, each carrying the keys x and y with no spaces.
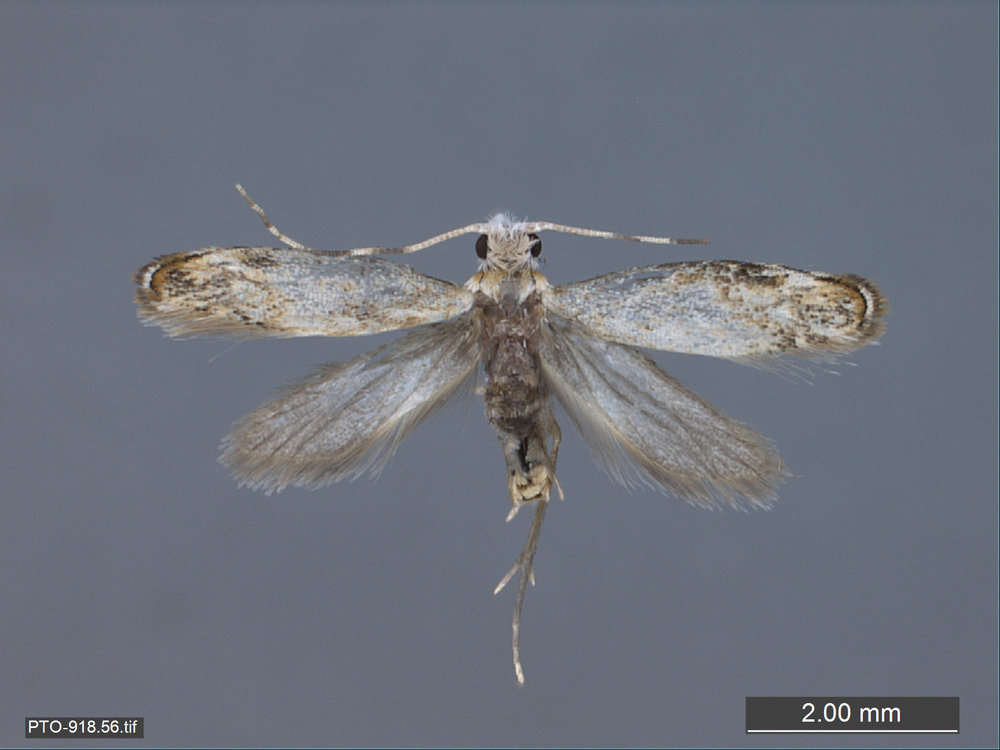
{"x":255,"y":207}
{"x":531,"y":472}
{"x":519,"y":484}
{"x":523,"y":566}
{"x":551,"y":431}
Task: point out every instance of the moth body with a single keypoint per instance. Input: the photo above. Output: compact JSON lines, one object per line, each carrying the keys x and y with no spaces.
{"x":577,"y":343}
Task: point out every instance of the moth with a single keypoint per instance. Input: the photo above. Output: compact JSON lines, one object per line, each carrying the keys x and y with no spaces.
{"x":578,"y":343}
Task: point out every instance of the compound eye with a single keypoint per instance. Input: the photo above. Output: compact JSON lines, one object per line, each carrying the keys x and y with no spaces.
{"x":536,"y":246}
{"x":482,"y":246}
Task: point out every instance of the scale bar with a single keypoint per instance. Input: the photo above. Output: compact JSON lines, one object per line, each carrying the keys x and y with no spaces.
{"x":837,"y":714}
{"x":852,"y":731}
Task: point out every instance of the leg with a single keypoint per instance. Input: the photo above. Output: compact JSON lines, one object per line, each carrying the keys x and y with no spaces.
{"x":523,"y":565}
{"x":533,"y":463}
{"x":530,"y":472}
{"x":551,"y":431}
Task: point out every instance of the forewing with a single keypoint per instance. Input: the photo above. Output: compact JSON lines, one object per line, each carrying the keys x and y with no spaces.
{"x":350,"y":418}
{"x":646,"y":428}
{"x":263,"y":291}
{"x":742,"y":311}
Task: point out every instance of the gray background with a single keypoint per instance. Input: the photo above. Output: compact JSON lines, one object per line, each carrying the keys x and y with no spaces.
{"x":137,"y":578}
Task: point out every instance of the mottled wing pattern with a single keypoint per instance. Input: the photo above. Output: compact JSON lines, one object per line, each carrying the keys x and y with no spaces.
{"x":645,"y":428}
{"x":263,"y":291}
{"x":350,"y":418}
{"x":741,"y":311}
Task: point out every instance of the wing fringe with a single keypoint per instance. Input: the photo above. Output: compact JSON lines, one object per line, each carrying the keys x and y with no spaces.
{"x":644,"y":428}
{"x":348,"y":419}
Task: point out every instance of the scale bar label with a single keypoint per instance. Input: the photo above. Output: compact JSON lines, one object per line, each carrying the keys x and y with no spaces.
{"x":855,"y":715}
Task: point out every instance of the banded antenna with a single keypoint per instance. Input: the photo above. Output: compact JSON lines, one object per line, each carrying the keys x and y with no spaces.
{"x":498,"y":221}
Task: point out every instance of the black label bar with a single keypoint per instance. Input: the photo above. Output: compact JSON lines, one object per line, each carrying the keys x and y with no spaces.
{"x":852,"y":714}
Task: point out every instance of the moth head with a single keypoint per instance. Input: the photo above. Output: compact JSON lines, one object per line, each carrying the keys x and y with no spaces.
{"x":507,"y":244}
